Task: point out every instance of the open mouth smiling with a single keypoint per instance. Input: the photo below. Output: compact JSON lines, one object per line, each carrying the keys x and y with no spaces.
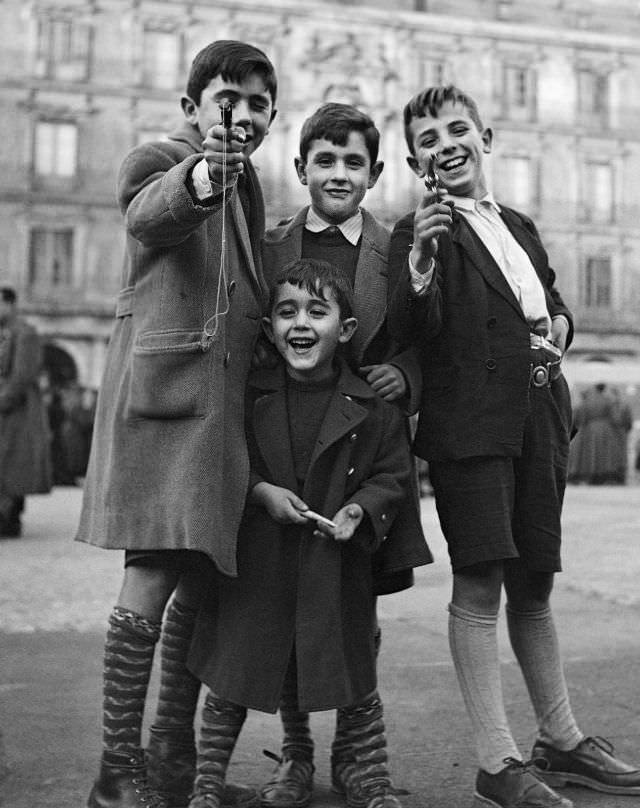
{"x":302,"y":344}
{"x":451,"y":165}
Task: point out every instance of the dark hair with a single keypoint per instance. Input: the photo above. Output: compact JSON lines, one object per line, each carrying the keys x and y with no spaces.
{"x":233,"y":61}
{"x":335,"y":122}
{"x":431,"y":101}
{"x":314,"y":276}
{"x":8,"y":294}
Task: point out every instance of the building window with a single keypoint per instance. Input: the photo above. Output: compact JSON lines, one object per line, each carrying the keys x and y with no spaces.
{"x":63,"y":49}
{"x":51,"y":258}
{"x":593,"y":98}
{"x":56,"y":149}
{"x":598,"y":199}
{"x":432,"y":72}
{"x":161,"y":59}
{"x":519,"y":93}
{"x":518,"y":183}
{"x":597,"y":283}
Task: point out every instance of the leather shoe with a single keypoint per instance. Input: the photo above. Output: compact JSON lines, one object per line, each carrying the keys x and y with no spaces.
{"x":592,"y":764}
{"x":290,"y":785}
{"x":171,"y":763}
{"x":515,"y":786}
{"x":122,"y":783}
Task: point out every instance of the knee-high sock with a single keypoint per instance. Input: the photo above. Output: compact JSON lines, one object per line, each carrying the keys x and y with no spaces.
{"x":297,"y":743}
{"x":340,"y":743}
{"x":221,"y":725}
{"x":474,"y":649}
{"x":535,"y":644}
{"x":179,"y":688}
{"x":128,"y":657}
{"x":366,"y":776}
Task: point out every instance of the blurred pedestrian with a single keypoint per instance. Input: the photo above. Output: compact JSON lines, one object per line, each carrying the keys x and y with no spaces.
{"x":622,"y":423}
{"x":594,"y":452}
{"x":24,"y":440}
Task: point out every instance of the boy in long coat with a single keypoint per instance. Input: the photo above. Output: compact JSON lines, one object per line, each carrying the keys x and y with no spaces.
{"x":169,"y":470}
{"x":338,"y":164}
{"x":301,"y":607}
{"x":25,"y":464}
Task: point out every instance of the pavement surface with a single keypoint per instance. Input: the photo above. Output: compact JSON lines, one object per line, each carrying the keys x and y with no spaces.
{"x":55,"y":596}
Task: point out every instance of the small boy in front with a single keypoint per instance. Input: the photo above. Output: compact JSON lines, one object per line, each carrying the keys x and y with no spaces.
{"x":338,"y":163}
{"x":300,"y":613}
{"x":471,"y":287}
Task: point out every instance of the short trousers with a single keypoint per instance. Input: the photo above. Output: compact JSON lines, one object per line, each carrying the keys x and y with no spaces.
{"x":176,"y":560}
{"x":496,"y":507}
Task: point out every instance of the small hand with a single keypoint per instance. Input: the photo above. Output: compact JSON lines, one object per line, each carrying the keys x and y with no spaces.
{"x":386,"y":380}
{"x":559,"y":332}
{"x":223,"y":151}
{"x":281,"y":504}
{"x":346,"y":520}
{"x":432,"y":218}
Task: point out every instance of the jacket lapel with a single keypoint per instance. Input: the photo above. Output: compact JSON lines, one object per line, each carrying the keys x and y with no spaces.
{"x":343,"y":413}
{"x":271,"y":430}
{"x":482,"y":259}
{"x":370,"y":287}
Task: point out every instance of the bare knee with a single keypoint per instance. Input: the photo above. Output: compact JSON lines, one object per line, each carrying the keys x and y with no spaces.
{"x":146,"y":590}
{"x":527,"y":590}
{"x":477,"y":588}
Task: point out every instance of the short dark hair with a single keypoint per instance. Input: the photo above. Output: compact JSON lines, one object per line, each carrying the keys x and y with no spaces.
{"x":431,"y":101}
{"x":335,"y":122}
{"x":234,"y":61}
{"x":8,"y":294}
{"x":314,"y":276}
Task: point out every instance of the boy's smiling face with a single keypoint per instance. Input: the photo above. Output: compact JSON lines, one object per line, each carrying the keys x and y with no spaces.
{"x":338,"y":177}
{"x":458,"y":145}
{"x":252,"y":108}
{"x":306,"y":329}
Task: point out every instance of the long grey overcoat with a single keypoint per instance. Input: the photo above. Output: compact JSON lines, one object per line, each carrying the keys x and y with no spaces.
{"x":25,"y":464}
{"x":169,"y":466}
{"x":295,"y":589}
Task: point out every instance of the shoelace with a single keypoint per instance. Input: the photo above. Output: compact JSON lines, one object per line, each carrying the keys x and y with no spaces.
{"x":147,"y":795}
{"x":601,"y":743}
{"x":288,"y":769}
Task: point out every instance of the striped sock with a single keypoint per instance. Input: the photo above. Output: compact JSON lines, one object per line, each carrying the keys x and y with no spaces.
{"x":221,"y":724}
{"x":128,"y":657}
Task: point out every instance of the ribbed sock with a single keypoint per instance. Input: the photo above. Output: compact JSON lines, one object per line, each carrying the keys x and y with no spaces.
{"x":297,"y":743}
{"x":179,"y":688}
{"x":535,"y":644}
{"x":221,"y":725}
{"x":128,"y":657}
{"x":364,"y":730}
{"x":474,"y":650}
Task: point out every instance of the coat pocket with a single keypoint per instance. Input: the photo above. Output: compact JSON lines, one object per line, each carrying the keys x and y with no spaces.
{"x":169,"y":375}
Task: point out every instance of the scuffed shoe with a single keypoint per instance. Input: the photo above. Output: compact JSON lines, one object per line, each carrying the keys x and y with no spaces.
{"x":592,"y":764}
{"x":122,"y":783}
{"x":290,"y":785}
{"x":346,"y":782}
{"x":171,"y":765}
{"x":516,"y":786}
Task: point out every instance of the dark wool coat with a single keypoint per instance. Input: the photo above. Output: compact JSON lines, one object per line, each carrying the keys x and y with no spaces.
{"x":25,"y":464}
{"x":169,"y":466}
{"x":473,"y":337}
{"x":407,"y":547}
{"x":295,"y":589}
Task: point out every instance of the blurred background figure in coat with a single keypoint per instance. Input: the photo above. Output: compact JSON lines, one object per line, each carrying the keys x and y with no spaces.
{"x":24,"y":439}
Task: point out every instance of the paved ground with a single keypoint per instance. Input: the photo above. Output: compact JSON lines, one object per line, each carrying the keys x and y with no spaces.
{"x":55,"y":596}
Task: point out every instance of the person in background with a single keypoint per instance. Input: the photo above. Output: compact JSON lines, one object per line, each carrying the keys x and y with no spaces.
{"x":25,"y":465}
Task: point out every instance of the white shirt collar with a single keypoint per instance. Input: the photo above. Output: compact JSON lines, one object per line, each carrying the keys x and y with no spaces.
{"x":351,"y":229}
{"x":469,"y":204}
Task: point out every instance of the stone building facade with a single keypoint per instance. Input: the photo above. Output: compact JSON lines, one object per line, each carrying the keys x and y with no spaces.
{"x":82,"y":81}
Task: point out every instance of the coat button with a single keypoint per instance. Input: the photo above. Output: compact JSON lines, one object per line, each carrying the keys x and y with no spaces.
{"x":227,"y":359}
{"x":492,"y":322}
{"x":231,"y":288}
{"x":350,"y":472}
{"x":383,"y":517}
{"x":353,"y":436}
{"x":491,"y":364}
